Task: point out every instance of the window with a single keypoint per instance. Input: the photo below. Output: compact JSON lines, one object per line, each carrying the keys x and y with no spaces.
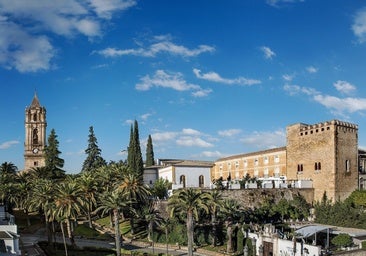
{"x":35,"y":117}
{"x":256,"y":161}
{"x":201,"y":181}
{"x":182,"y":180}
{"x":277,"y":159}
{"x":277,"y":172}
{"x":300,"y":168}
{"x":35,"y":163}
{"x":347,"y":166}
{"x":266,"y":172}
{"x":236,"y":165}
{"x":266,"y":160}
{"x":245,"y":163}
{"x":256,"y":173}
{"x":317,"y":166}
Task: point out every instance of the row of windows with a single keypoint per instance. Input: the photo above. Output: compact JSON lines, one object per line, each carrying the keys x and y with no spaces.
{"x":318,"y":167}
{"x":312,"y":131}
{"x":256,"y":162}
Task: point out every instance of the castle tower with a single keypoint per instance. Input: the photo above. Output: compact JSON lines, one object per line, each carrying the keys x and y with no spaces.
{"x":326,"y":153}
{"x":35,"y":135}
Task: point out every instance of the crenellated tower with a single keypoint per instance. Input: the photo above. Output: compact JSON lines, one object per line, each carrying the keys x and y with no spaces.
{"x":35,"y":135}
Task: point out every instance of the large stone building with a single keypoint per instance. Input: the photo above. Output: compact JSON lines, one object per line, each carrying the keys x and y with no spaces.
{"x":35,"y":135}
{"x":325,"y":154}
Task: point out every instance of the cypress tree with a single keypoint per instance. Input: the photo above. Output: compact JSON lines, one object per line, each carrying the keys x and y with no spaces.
{"x":149,"y":152}
{"x":94,"y":159}
{"x":135,"y":162}
{"x":54,"y":163}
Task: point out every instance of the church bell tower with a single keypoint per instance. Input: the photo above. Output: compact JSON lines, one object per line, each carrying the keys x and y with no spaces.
{"x":35,"y":135}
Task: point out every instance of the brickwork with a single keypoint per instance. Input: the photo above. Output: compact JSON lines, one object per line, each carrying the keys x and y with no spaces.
{"x":325,"y":153}
{"x":35,"y":135}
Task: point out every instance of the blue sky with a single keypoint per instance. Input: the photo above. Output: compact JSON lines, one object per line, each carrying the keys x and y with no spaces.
{"x":206,"y":79}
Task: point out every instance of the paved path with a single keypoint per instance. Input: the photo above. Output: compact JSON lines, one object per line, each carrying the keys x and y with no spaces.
{"x":29,"y":246}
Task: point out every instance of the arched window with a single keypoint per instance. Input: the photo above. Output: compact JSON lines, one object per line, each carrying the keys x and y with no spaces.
{"x":201,"y":181}
{"x":35,"y":117}
{"x":35,"y":136}
{"x":182,"y":180}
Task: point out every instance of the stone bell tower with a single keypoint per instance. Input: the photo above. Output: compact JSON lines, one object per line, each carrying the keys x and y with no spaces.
{"x":35,"y":135}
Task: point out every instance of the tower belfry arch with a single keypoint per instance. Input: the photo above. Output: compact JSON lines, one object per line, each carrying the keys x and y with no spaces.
{"x":35,"y":134}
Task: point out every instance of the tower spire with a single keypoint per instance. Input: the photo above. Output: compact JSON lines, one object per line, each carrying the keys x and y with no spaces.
{"x":35,"y":101}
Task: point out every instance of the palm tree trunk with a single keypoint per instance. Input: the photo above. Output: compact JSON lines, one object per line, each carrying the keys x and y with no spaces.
{"x":150,"y":228}
{"x":190,"y":231}
{"x":117,"y":232}
{"x":70,"y":233}
{"x":229,"y":232}
{"x":214,"y":231}
{"x":63,"y":236}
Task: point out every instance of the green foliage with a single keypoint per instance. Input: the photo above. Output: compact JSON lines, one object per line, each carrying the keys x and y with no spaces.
{"x":342,"y":240}
{"x":134,"y":158}
{"x":346,"y":213}
{"x":94,"y":159}
{"x":149,"y":153}
{"x":86,"y":232}
{"x":161,"y":187}
{"x":53,"y":162}
{"x":358,"y":198}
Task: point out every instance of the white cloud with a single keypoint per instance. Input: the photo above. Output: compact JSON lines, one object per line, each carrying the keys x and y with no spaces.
{"x":312,"y":69}
{"x":266,"y":140}
{"x":8,"y":144}
{"x":296,"y":89}
{"x":229,"y":132}
{"x":359,"y":25}
{"x":187,"y":137}
{"x":288,"y":77}
{"x":344,"y":87}
{"x":22,"y":51}
{"x":201,"y":93}
{"x":104,"y":9}
{"x":276,"y":3}
{"x":189,"y":131}
{"x":268,"y":53}
{"x":164,"y":45}
{"x":25,"y":28}
{"x":145,"y":116}
{"x":170,"y":80}
{"x":341,"y":106}
{"x":214,"y":77}
{"x":338,"y":106}
{"x":211,"y":154}
{"x":190,"y":141}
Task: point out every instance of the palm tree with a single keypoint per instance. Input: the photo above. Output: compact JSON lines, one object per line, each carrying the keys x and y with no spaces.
{"x":114,"y":201}
{"x":165,"y":225}
{"x":189,"y":201}
{"x":215,"y":204}
{"x":69,"y":203}
{"x":88,"y":185}
{"x":135,"y":191}
{"x":151,"y":216}
{"x":232,"y":210}
{"x":41,"y":198}
{"x":8,"y":168}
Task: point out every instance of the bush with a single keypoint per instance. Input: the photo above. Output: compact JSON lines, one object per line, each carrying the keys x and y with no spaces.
{"x":342,"y":240}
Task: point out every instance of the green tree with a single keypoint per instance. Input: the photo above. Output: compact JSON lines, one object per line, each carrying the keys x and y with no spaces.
{"x":69,"y":202}
{"x":52,"y":156}
{"x":135,"y":192}
{"x":88,"y":185}
{"x":134,"y":157}
{"x":215,"y":204}
{"x":42,"y":198}
{"x":8,"y":168}
{"x":189,"y":202}
{"x":160,"y":188}
{"x":114,"y":202}
{"x":342,"y":240}
{"x":149,"y":153}
{"x":232,"y":212}
{"x":94,"y":158}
